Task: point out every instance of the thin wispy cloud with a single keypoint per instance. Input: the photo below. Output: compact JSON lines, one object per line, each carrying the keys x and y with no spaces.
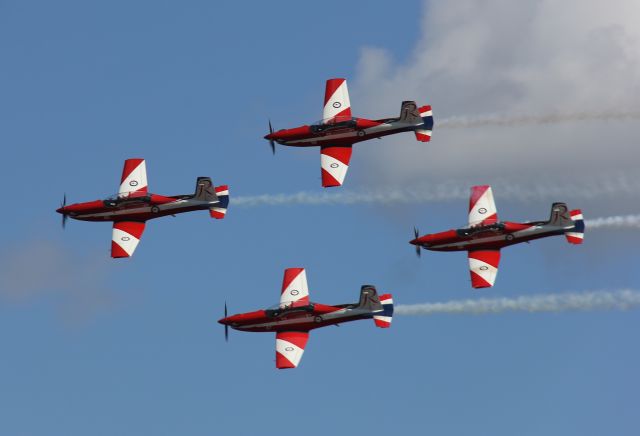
{"x":623,"y":299}
{"x":39,"y":270}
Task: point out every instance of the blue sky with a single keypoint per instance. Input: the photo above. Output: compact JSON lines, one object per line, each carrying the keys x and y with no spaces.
{"x":93,"y":345}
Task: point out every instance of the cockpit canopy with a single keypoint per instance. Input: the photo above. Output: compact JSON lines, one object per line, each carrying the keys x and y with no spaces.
{"x":279,"y":309}
{"x":333,"y":123}
{"x":469,"y":231}
{"x":117,"y":199}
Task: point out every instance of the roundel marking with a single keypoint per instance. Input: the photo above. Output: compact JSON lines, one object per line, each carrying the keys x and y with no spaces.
{"x":484,"y":268}
{"x":288,"y":349}
{"x":133,"y":183}
{"x":482,"y":210}
{"x":337,"y":104}
{"x":334,"y":165}
{"x":294,"y":292}
{"x":318,"y":319}
{"x":360,"y":132}
{"x":509,"y":237}
{"x":125,"y":238}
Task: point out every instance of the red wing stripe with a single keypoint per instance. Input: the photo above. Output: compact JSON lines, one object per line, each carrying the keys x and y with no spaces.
{"x":476,"y":193}
{"x":129,"y":166}
{"x":133,"y":228}
{"x":289,"y":275}
{"x":332,"y":86}
{"x":492,"y":257}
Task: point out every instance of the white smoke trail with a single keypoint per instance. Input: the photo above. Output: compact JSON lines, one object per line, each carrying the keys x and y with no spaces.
{"x":623,"y":299}
{"x":604,"y":187}
{"x":552,"y":118}
{"x":620,"y":221}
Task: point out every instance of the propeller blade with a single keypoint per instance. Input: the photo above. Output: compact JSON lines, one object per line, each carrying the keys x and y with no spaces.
{"x":416,"y":234}
{"x":226,"y":327}
{"x":271,"y":141}
{"x":64,"y":216}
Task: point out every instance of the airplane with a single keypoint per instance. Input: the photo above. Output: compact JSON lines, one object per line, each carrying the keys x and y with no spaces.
{"x":134,"y":205}
{"x":486,"y":235}
{"x":295,"y":316}
{"x":338,"y":131}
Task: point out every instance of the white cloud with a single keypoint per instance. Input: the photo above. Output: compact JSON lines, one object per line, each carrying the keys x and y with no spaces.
{"x":517,"y":60}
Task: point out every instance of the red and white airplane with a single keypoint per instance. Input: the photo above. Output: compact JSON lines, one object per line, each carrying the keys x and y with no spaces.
{"x":485,"y":235}
{"x":134,"y":205}
{"x":293,"y":318}
{"x":338,"y":130}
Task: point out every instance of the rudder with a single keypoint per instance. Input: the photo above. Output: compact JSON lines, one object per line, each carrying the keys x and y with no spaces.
{"x":383,"y":320}
{"x":576,"y":234}
{"x":219,"y":210}
{"x":423,"y":132}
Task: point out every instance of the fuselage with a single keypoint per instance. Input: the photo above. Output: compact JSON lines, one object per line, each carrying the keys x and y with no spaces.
{"x":492,"y":236}
{"x":341,"y":133}
{"x":136,"y":208}
{"x":302,"y":318}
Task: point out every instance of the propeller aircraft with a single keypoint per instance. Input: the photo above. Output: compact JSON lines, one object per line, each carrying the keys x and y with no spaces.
{"x":338,"y":131}
{"x":486,"y":235}
{"x":293,"y":318}
{"x":134,"y":205}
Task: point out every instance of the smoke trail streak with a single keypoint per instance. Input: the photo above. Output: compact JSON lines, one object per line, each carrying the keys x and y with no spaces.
{"x":585,"y":301}
{"x":620,"y":221}
{"x":450,"y":191}
{"x":553,"y":118}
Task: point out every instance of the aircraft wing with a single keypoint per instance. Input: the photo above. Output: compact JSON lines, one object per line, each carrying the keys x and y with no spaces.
{"x":125,"y":238}
{"x":289,"y":348}
{"x":334,"y":162}
{"x":483,"y":266}
{"x":134,"y":178}
{"x":337,"y":106}
{"x":482,"y":208}
{"x":295,"y":291}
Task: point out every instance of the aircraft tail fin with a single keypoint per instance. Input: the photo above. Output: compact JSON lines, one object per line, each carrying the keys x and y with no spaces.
{"x":423,"y":132}
{"x":383,"y":320}
{"x":575,"y":235}
{"x":219,"y":210}
{"x":560,"y":215}
{"x":205,"y":190}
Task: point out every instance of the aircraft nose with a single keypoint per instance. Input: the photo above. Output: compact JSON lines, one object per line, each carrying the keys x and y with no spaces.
{"x":414,"y":241}
{"x":223,"y":321}
{"x":60,"y":210}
